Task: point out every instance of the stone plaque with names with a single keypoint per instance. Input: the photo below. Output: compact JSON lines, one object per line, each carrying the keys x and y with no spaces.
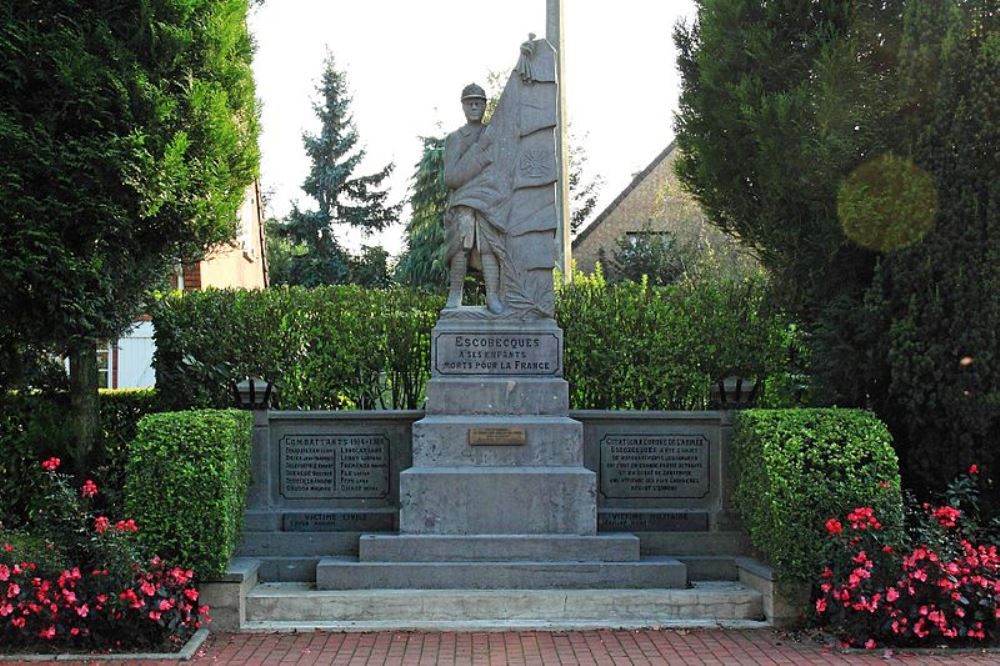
{"x":497,"y":436}
{"x":497,"y":353}
{"x":344,"y":521}
{"x":333,"y":466}
{"x":654,"y":466}
{"x":651,"y":521}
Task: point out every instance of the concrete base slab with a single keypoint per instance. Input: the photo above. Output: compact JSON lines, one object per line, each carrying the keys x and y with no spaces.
{"x":343,"y":573}
{"x":496,"y":626}
{"x":549,"y":440}
{"x":704,"y":604}
{"x":479,"y":548}
{"x":512,"y":396}
{"x":498,"y":500}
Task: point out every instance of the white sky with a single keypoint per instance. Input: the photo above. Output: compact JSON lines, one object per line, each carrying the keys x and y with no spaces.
{"x":408,"y":60}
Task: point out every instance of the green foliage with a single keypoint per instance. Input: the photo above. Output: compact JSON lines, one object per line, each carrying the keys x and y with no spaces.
{"x":188,"y":475}
{"x":340,"y":347}
{"x":316,"y":256}
{"x":422,"y":262}
{"x":796,"y":468}
{"x":127,"y":139}
{"x":33,"y":427}
{"x":632,"y":346}
{"x":654,"y":256}
{"x":854,"y":145}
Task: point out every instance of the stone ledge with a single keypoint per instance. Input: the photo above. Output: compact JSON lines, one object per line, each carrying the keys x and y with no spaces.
{"x":785,"y":604}
{"x":186,"y":653}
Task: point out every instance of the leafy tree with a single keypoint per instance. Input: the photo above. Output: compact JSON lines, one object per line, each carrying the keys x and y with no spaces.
{"x":127,"y":140}
{"x":341,"y":196}
{"x":654,"y":255}
{"x":583,"y":189}
{"x":854,"y":145}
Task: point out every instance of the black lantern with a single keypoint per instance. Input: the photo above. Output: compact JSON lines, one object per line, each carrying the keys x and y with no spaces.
{"x":254,"y":393}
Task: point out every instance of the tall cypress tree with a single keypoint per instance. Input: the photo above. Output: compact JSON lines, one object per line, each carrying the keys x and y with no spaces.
{"x":422,"y":263}
{"x":341,"y":196}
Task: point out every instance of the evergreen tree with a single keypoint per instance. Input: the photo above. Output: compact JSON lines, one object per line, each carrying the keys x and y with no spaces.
{"x":341,"y":196}
{"x":855,"y":146}
{"x":127,"y":141}
{"x":422,"y":262}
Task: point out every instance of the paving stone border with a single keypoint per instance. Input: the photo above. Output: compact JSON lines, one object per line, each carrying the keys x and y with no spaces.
{"x":184,"y":654}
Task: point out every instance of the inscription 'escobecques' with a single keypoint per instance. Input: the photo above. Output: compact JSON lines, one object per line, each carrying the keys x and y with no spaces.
{"x":497,"y":354}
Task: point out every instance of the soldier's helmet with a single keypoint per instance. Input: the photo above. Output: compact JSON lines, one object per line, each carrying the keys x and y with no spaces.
{"x":472,"y":91}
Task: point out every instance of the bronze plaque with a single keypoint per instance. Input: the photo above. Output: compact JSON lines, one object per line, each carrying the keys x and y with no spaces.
{"x":496,"y":436}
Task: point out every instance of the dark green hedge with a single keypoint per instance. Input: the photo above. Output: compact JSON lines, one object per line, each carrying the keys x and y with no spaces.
{"x":34,"y":427}
{"x":187,"y":479}
{"x":796,"y":468}
{"x":341,"y":347}
{"x":627,"y":346}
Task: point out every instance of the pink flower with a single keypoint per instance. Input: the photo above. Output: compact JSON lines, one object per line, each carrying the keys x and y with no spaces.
{"x":101,"y":524}
{"x":83,"y":610}
{"x":4,"y":573}
{"x":833,"y":527}
{"x":6,"y":609}
{"x":154,"y":615}
{"x":973,"y":469}
{"x":821,"y":605}
{"x":47,"y":634}
{"x":89,"y":489}
{"x":148,"y":589}
{"x":891,"y":594}
{"x":191,"y":594}
{"x":51,"y":465}
{"x":126,"y":526}
{"x":870,"y":644}
{"x":13,"y":590}
{"x":19,"y":622}
{"x":8,"y":547}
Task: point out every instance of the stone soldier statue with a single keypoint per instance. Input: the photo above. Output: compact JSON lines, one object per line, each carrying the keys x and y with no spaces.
{"x":469,"y":238}
{"x":502,"y":180}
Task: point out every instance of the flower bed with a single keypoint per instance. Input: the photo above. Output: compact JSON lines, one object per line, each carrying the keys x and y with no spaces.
{"x":941,"y":587}
{"x":78,"y":581}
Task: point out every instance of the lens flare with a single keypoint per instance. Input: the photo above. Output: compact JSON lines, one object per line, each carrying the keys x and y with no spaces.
{"x":887,"y":204}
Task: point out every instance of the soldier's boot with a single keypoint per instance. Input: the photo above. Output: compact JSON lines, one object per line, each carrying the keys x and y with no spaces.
{"x":459,"y":263}
{"x":491,"y":276}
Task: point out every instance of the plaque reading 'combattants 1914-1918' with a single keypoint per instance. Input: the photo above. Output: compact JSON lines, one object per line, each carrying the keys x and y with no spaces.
{"x":333,"y":466}
{"x":654,"y":466}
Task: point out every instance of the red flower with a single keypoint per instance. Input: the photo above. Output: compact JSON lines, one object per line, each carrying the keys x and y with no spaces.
{"x":191,"y":594}
{"x":101,"y":524}
{"x":821,"y":605}
{"x":89,"y":489}
{"x":834,"y":527}
{"x":13,"y":590}
{"x":8,"y":547}
{"x":47,"y":634}
{"x":126,"y":526}
{"x":18,"y":622}
{"x":870,"y":644}
{"x":52,"y":464}
{"x":946,"y":515}
{"x":154,"y":615}
{"x":973,"y":469}
{"x":83,"y":610}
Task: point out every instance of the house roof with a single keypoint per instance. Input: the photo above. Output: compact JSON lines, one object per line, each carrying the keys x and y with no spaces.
{"x":636,"y":181}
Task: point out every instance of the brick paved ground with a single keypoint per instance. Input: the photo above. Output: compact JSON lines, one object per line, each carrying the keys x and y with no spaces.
{"x":708,"y":647}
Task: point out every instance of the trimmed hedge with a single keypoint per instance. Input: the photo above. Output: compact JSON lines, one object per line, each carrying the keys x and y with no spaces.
{"x":187,"y":479}
{"x":627,"y":346}
{"x":796,"y":468}
{"x":341,"y":347}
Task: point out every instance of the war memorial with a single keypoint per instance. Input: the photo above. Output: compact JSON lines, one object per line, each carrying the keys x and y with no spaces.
{"x":495,"y":506}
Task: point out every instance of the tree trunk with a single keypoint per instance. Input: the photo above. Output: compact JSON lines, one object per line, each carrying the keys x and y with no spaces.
{"x":84,"y":413}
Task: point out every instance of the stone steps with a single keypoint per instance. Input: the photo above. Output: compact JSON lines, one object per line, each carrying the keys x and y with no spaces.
{"x":347,"y":573}
{"x":497,"y":548}
{"x":300,"y":606}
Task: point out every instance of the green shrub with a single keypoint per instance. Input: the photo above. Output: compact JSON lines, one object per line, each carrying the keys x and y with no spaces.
{"x":796,"y":468}
{"x":33,"y":426}
{"x":341,"y":347}
{"x":632,"y":346}
{"x":187,"y":478}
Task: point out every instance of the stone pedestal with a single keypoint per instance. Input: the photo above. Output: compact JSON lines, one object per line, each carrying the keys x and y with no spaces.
{"x":498,"y":495}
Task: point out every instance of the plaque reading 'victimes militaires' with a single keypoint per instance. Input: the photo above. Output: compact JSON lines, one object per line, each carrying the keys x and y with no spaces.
{"x":497,"y":353}
{"x":654,"y":466}
{"x":334,"y":466}
{"x":652,"y":521}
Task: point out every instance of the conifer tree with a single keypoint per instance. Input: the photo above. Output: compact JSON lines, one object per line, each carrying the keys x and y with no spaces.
{"x":341,"y":196}
{"x":422,"y":263}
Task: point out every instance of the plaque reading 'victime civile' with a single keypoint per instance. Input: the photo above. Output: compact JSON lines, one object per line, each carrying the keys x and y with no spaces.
{"x":654,"y":466}
{"x":497,"y":353}
{"x":334,"y":466}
